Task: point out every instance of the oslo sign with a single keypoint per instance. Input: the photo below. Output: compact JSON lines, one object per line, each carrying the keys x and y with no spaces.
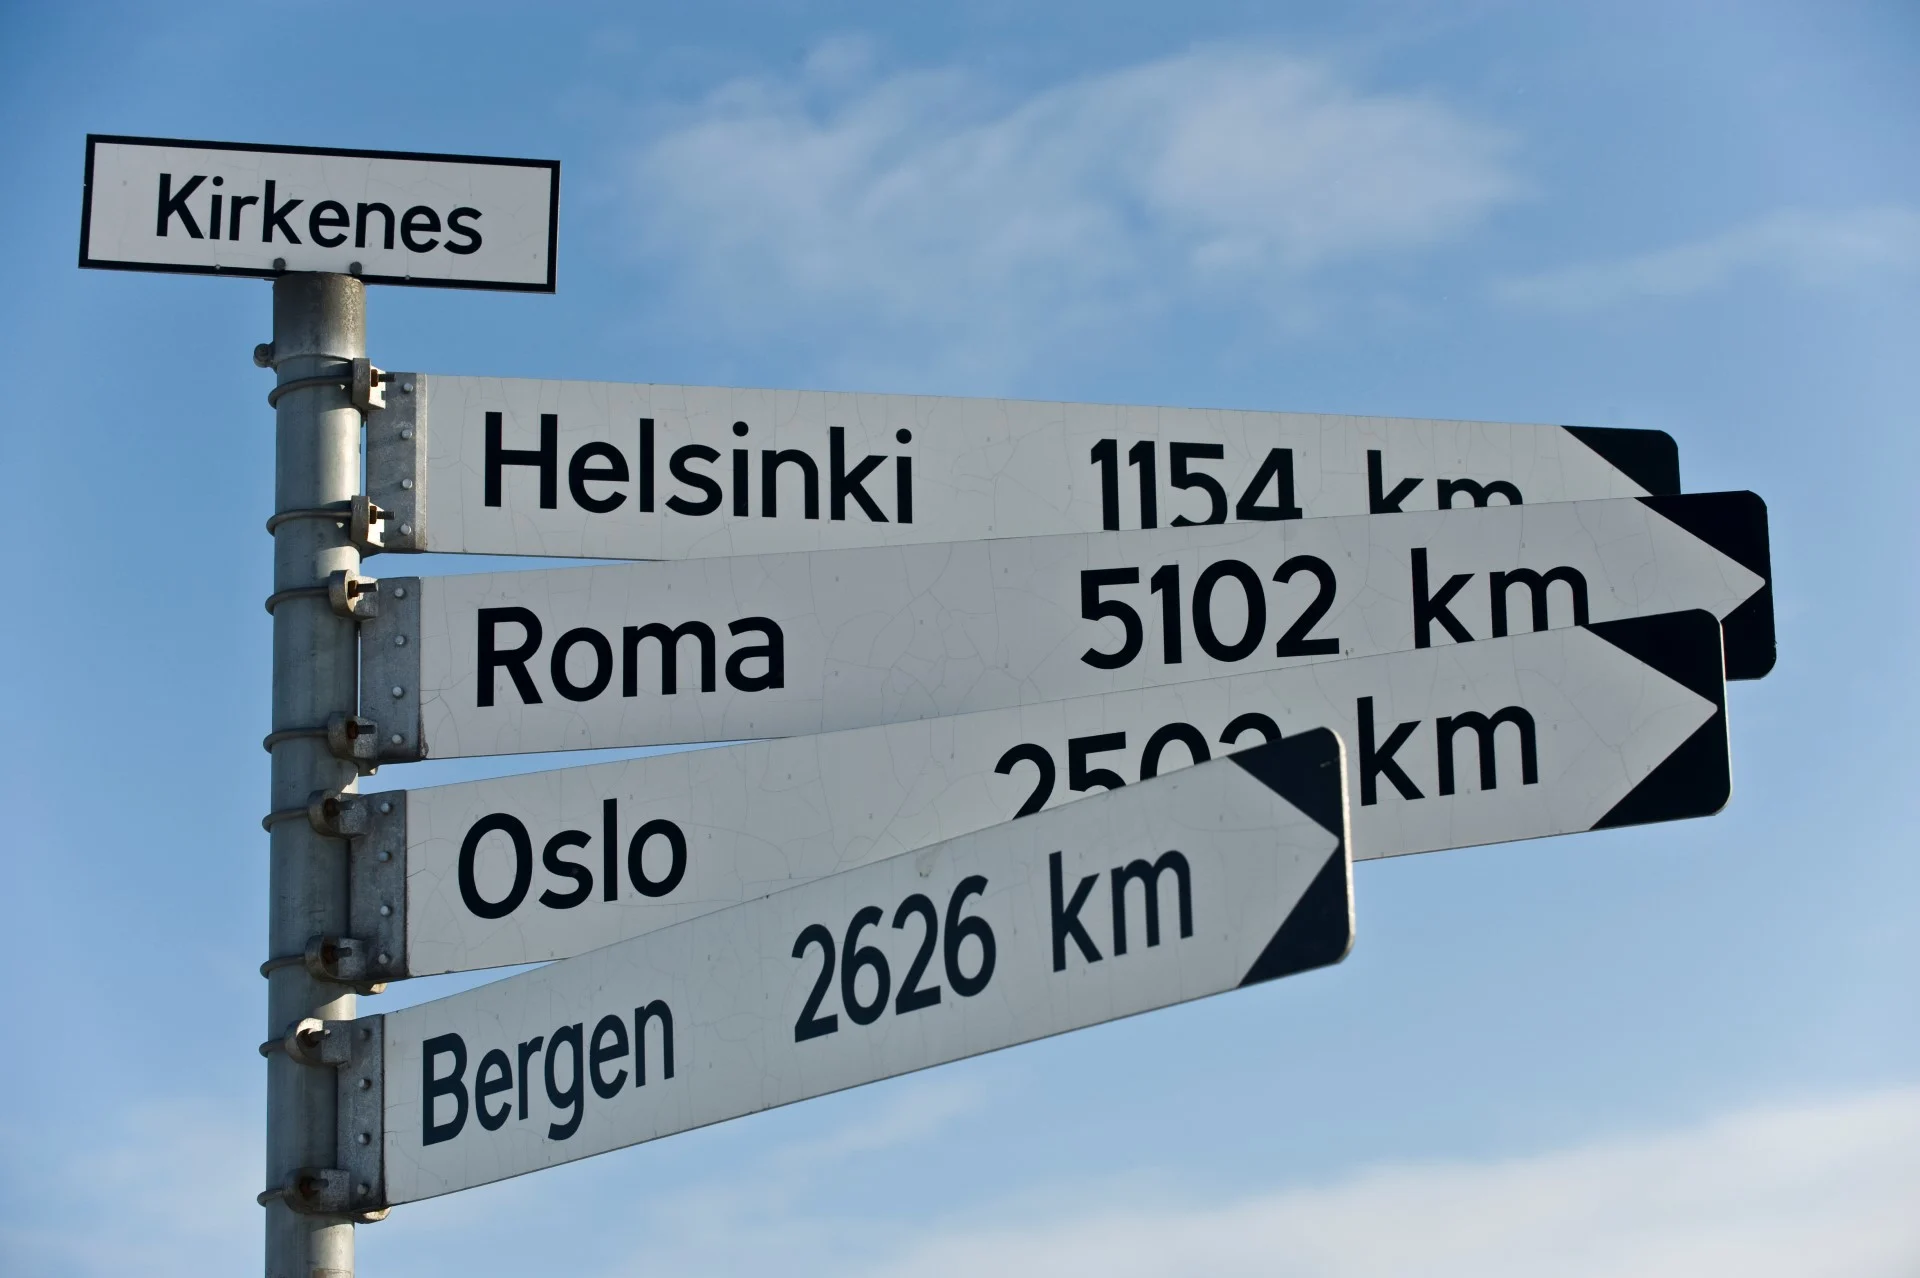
{"x":610,"y":470}
{"x":1557,"y":732}
{"x":782,"y":645}
{"x":388,"y":217}
{"x":1212,"y":878}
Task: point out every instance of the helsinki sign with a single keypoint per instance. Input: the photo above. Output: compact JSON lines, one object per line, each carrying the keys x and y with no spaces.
{"x":1558,"y":732}
{"x":1212,"y":878}
{"x":609,"y":470}
{"x":782,"y":645}
{"x":388,"y":217}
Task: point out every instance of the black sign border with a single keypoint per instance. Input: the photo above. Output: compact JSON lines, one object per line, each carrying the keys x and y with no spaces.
{"x":553,"y":212}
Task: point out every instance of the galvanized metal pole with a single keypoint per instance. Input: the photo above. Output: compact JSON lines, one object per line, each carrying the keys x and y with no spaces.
{"x":319,"y":323}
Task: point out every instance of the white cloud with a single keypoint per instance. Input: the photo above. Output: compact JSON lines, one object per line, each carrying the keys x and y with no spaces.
{"x":931,"y":200}
{"x":1784,"y":1192}
{"x":1814,"y":250}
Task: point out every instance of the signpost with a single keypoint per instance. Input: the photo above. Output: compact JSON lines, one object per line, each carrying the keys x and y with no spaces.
{"x":782,"y":645}
{"x":608,"y":470}
{"x":1212,"y":878}
{"x":1551,"y":733}
{"x":384,"y":217}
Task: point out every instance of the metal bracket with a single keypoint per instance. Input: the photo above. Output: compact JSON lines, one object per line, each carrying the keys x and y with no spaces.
{"x":356,"y":739}
{"x":397,"y":461}
{"x":365,"y":389}
{"x":364,"y":520}
{"x":377,"y":883}
{"x":337,"y":815}
{"x":355,"y":1190}
{"x":353,"y":596}
{"x":390,"y":671}
{"x":343,"y":960}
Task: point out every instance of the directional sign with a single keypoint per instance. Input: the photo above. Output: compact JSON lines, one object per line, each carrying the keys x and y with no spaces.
{"x":608,"y":470}
{"x":1550,"y":733}
{"x":389,"y":217}
{"x":1215,"y":877}
{"x":784,"y":645}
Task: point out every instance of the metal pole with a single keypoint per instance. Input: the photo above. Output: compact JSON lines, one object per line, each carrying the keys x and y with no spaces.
{"x":319,"y":322}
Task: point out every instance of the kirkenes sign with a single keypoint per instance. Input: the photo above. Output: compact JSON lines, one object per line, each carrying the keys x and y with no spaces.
{"x":1220,"y":876}
{"x":1557,"y":732}
{"x":783,"y":645}
{"x":608,"y":470}
{"x":389,"y":217}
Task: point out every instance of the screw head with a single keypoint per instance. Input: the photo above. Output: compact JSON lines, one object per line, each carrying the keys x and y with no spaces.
{"x":396,"y":739}
{"x":386,"y":911}
{"x":407,"y":387}
{"x":384,"y":959}
{"x":406,"y":483}
{"x":383,"y":855}
{"x":399,"y":592}
{"x":366,"y":1084}
{"x":406,"y":530}
{"x":263,"y":355}
{"x":399,"y":691}
{"x":364,"y":1139}
{"x":406,"y":432}
{"x":385,"y":807}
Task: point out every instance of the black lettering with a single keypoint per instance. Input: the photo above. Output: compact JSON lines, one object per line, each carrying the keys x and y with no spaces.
{"x":1149,"y":877}
{"x":609,"y":1043}
{"x":325,"y":216}
{"x":1186,"y":734}
{"x":903,"y":486}
{"x":420,"y":218}
{"x":770,"y":464}
{"x":494,"y":1075}
{"x":740,"y":457}
{"x":676,"y":850}
{"x":1066,"y":922}
{"x":654,"y":1011}
{"x":514,"y":660}
{"x":234,"y":210}
{"x":1378,"y":762}
{"x":581,"y":471}
{"x":602,"y":664}
{"x":546,"y":457}
{"x":683,"y":457}
{"x":469,"y":236}
{"x":213,"y":218}
{"x":646,"y":465}
{"x":1486,"y":729}
{"x":843,"y":483}
{"x":1537,"y":584}
{"x":569,"y":1097}
{"x":433,"y":1088}
{"x":496,"y":823}
{"x":773,"y":652}
{"x":526,"y":1051}
{"x":271,"y":217}
{"x":1479,"y":493}
{"x":360,"y":212}
{"x":1429,"y":608}
{"x":1378,"y":501}
{"x":173,"y":205}
{"x":582,"y":877}
{"x":609,"y":849}
{"x":669,"y":655}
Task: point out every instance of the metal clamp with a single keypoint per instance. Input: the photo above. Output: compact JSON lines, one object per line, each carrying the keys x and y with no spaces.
{"x":322,"y":1191}
{"x":351,"y":595}
{"x":338,"y":512}
{"x":358,"y":377}
{"x":356,"y":739}
{"x":363,"y":525}
{"x":337,"y":815}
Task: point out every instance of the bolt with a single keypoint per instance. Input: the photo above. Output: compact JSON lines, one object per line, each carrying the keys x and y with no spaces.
{"x":386,"y":911}
{"x":279,"y":263}
{"x":399,"y":641}
{"x":383,"y":855}
{"x":406,"y":483}
{"x":385,"y":959}
{"x":399,"y":592}
{"x":399,"y":691}
{"x":364,"y":1139}
{"x":366,"y":1084}
{"x":263,"y":355}
{"x":353,"y":268}
{"x":407,"y":387}
{"x":406,"y":530}
{"x":385,"y":807}
{"x":396,"y":739}
{"x":406,"y":432}
{"x":363,"y":1188}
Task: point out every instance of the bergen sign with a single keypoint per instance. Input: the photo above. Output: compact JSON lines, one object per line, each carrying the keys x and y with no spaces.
{"x":488,"y":465}
{"x":388,"y":217}
{"x":1215,"y":878}
{"x":1589,"y":727}
{"x":779,"y":645}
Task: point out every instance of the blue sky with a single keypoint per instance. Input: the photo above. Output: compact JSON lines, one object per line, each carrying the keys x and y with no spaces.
{"x":1682,"y":1049}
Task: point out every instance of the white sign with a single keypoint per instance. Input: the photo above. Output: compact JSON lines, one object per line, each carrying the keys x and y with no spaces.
{"x":618,"y":471}
{"x":1216,"y":877}
{"x":784,"y":645}
{"x":389,"y":217}
{"x":1540,"y":734}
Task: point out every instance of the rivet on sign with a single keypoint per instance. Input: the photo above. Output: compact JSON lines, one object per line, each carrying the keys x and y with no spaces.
{"x":397,"y":739}
{"x":406,"y":432}
{"x":386,"y":911}
{"x":384,"y":960}
{"x":353,"y":268}
{"x":383,"y":855}
{"x":406,"y":530}
{"x":399,"y":641}
{"x":407,"y":387}
{"x":399,"y":592}
{"x":399,"y":691}
{"x":406,"y":483}
{"x":385,"y":807}
{"x":365,"y":1139}
{"x":364,"y":1188}
{"x":366,"y":1084}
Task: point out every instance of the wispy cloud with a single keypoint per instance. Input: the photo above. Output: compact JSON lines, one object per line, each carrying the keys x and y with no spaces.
{"x":934,"y":201}
{"x":1814,"y":250}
